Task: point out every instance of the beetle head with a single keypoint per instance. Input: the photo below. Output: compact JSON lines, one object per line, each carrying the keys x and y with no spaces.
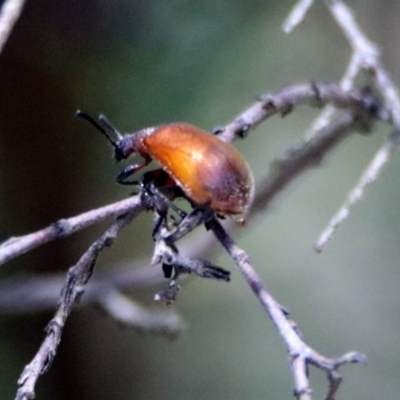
{"x":108,"y":130}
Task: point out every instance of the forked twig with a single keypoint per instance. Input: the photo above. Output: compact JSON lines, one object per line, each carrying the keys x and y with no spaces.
{"x":365,"y":58}
{"x":365,"y":106}
{"x":301,"y":355}
{"x":361,"y":109}
{"x":73,"y":288}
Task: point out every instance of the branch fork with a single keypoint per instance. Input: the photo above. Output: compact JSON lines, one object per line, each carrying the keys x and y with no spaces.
{"x":169,"y":231}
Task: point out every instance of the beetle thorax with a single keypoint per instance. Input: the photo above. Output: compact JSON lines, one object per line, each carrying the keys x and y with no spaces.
{"x":133,"y":143}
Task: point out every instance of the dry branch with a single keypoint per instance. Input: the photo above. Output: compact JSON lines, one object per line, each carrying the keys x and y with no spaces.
{"x":365,"y":58}
{"x":365,"y":106}
{"x":362,"y":109}
{"x":301,"y":355}
{"x":9,"y":14}
{"x":73,"y":289}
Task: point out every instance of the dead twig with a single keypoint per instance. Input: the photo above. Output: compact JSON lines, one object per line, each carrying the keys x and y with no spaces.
{"x":365,"y":57}
{"x":362,"y":109}
{"x":73,"y":288}
{"x":16,"y":246}
{"x":9,"y":14}
{"x":367,"y":54}
{"x":301,"y":355}
{"x":365,"y":106}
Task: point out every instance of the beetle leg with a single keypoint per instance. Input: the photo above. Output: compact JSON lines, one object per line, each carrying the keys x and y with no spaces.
{"x":128,"y":171}
{"x":161,"y":204}
{"x":199,"y":215}
{"x":167,"y":270}
{"x":158,"y":183}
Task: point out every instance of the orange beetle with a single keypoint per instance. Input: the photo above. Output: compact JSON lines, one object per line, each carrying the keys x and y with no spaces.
{"x":208,"y":170}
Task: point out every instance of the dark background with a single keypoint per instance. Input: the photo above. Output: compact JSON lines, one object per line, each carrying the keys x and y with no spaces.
{"x":145,"y":63}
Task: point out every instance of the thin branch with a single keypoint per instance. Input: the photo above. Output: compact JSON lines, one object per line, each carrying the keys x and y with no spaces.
{"x":16,"y":246}
{"x":370,"y":54}
{"x":369,"y":176}
{"x":74,"y":286}
{"x":359,"y":43}
{"x":308,"y":154}
{"x":365,"y":105}
{"x":346,"y":83}
{"x":9,"y":14}
{"x":38,"y":293}
{"x":366,"y":55}
{"x":362,"y":109}
{"x":297,"y":15}
{"x":313,"y":94}
{"x":128,"y":313}
{"x":301,"y":355}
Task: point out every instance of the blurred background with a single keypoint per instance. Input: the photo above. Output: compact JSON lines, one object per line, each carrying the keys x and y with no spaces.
{"x":144,"y":63}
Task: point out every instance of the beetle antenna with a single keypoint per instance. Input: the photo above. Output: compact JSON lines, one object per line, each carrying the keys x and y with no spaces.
{"x":110,"y":126}
{"x":106,"y":122}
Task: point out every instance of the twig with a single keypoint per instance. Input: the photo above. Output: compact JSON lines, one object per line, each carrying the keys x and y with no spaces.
{"x":9,"y":14}
{"x":36,"y":293}
{"x":297,"y":15}
{"x":29,"y":294}
{"x":359,"y":43}
{"x":369,"y":176}
{"x":346,"y":84}
{"x":359,"y":106}
{"x":366,"y":55}
{"x":16,"y":246}
{"x":365,"y":106}
{"x":300,"y":158}
{"x":75,"y":284}
{"x":313,"y":94}
{"x":370,"y":55}
{"x":301,"y":355}
{"x":128,"y":313}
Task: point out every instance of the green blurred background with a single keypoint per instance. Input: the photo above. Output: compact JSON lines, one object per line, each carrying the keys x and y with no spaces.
{"x":144,"y":63}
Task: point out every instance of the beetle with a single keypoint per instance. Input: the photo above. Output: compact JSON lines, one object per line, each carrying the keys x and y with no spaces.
{"x":209,"y":171}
